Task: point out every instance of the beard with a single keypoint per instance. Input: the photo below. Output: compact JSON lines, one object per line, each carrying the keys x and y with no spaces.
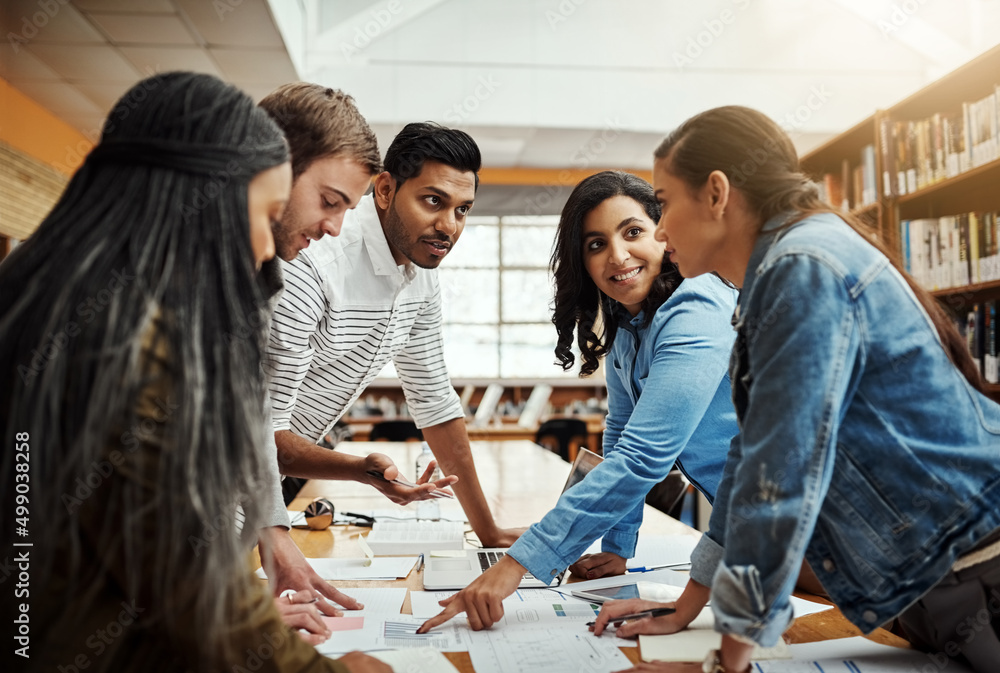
{"x":285,"y":235}
{"x":399,"y":238}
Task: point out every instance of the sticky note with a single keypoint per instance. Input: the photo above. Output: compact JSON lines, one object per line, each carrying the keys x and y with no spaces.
{"x":344,"y":623}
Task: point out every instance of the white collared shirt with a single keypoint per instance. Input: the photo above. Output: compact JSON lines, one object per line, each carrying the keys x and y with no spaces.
{"x":346,"y":310}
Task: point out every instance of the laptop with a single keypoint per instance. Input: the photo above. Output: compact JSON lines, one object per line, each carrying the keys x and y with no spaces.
{"x":457,"y":572}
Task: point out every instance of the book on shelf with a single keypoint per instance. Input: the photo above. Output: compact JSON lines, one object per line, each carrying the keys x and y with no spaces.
{"x":952,"y":251}
{"x":991,"y":370}
{"x":856,"y":185}
{"x":979,"y":328}
{"x":921,"y":152}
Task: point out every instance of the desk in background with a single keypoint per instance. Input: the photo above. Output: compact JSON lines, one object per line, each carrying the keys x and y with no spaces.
{"x":521,"y":482}
{"x":507,"y":430}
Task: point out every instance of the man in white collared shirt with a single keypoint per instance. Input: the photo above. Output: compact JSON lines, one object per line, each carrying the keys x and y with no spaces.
{"x":354,"y":302}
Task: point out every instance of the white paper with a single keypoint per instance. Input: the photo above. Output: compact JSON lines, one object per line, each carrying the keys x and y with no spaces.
{"x":397,"y":632}
{"x":660,"y":550}
{"x":425,"y":603}
{"x":416,"y":660}
{"x":694,"y":644}
{"x":545,"y":649}
{"x":857,"y":655}
{"x":802,"y":607}
{"x":382,"y":601}
{"x":381,"y":568}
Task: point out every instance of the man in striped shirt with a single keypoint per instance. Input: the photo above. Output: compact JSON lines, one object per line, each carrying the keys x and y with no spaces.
{"x":370,"y":295}
{"x":334,"y":157}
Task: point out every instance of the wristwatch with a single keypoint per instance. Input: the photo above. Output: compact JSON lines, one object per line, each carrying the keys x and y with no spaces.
{"x":713,"y":664}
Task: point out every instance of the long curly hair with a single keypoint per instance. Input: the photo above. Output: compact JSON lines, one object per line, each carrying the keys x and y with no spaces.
{"x":149,"y":241}
{"x":579,"y":305}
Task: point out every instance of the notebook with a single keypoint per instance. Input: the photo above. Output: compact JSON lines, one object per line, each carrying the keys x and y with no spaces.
{"x":457,"y":572}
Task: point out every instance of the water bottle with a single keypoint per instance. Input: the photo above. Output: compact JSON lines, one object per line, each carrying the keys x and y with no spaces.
{"x":427,"y":509}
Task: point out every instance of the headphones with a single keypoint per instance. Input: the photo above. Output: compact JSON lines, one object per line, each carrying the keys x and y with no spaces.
{"x":319,"y":514}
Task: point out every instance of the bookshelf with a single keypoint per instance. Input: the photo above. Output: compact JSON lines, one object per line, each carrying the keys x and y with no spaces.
{"x":839,"y":168}
{"x":936,"y":204}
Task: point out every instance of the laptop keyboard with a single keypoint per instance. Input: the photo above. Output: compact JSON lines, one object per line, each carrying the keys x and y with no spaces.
{"x":488,"y":559}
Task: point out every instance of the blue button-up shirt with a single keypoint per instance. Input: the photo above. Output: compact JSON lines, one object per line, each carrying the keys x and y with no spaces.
{"x":668,"y":400}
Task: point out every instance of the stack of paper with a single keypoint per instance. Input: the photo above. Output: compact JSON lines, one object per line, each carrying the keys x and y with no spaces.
{"x":391,"y":538}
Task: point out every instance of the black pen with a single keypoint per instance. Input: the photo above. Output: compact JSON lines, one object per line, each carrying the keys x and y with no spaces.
{"x":402,"y":482}
{"x":652,"y":612}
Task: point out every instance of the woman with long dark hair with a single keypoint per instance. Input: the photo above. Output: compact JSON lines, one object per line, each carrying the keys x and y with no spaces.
{"x":666,"y":341}
{"x":866,"y":444}
{"x":133,"y":397}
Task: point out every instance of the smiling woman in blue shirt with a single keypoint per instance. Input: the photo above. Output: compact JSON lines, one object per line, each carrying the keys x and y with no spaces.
{"x":866,"y":444}
{"x":667,"y":342}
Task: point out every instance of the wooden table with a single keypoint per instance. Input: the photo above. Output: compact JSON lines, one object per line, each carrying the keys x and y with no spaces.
{"x":521,"y":482}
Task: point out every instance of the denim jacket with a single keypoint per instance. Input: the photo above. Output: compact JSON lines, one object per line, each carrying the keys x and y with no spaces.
{"x":861,"y":447}
{"x":668,"y":400}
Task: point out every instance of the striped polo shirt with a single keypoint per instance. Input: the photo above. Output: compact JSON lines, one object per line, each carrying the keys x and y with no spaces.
{"x":347,"y":309}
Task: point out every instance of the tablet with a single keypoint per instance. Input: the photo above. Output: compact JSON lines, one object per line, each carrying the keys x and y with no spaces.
{"x":584,"y":463}
{"x":608,"y":593}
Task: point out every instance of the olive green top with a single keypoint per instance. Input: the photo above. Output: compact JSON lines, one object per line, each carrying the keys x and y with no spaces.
{"x":102,"y":628}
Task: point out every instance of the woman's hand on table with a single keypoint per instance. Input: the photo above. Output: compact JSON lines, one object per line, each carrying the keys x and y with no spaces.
{"x":612,"y":612}
{"x":301,"y":611}
{"x":603,"y":564}
{"x":481,"y":601}
{"x":687,"y":608}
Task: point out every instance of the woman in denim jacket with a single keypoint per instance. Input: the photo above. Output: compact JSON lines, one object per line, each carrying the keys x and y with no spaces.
{"x":668,"y":389}
{"x":866,"y":444}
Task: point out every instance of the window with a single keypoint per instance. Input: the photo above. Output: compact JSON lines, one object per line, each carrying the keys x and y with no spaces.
{"x":497,"y":293}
